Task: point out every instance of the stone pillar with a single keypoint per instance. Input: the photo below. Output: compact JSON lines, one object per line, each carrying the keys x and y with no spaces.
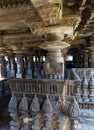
{"x":54,"y":64}
{"x":13,"y":65}
{"x":8,"y":67}
{"x":29,"y":66}
{"x":3,"y":63}
{"x":39,"y":64}
{"x":35,"y":73}
{"x":20,"y":66}
{"x":86,"y":51}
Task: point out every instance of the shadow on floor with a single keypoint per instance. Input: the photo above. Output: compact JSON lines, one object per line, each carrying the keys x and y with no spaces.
{"x":4,"y":114}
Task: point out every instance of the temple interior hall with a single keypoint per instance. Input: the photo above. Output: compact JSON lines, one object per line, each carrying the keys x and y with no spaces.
{"x":46,"y":64}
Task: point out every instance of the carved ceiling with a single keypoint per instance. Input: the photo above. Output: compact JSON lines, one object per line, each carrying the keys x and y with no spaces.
{"x":32,"y":23}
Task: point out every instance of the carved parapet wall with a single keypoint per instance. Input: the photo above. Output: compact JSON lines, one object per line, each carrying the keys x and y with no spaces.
{"x":37,"y":104}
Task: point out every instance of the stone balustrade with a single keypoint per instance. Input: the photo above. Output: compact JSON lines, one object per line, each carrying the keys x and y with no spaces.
{"x":36,"y":104}
{"x":88,"y":72}
{"x":37,"y":86}
{"x":44,"y":104}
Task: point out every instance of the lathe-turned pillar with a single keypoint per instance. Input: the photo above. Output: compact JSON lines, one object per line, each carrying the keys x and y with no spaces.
{"x":20,"y":66}
{"x":3,"y":63}
{"x":29,"y":65}
{"x":8,"y":66}
{"x":13,"y":65}
{"x":54,"y":64}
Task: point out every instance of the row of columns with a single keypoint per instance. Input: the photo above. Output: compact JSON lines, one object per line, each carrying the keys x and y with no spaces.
{"x":21,"y":66}
{"x":48,"y":65}
{"x":84,"y":58}
{"x":35,"y":66}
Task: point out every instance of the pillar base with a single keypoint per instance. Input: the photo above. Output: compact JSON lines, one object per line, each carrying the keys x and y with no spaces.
{"x":19,"y":75}
{"x":29,"y":74}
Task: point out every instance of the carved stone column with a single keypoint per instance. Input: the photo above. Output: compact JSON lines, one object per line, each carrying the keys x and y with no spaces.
{"x":54,"y":64}
{"x":8,"y":67}
{"x":35,"y":69}
{"x":39,"y":64}
{"x":13,"y":65}
{"x":29,"y":66}
{"x":3,"y":63}
{"x":20,"y":66}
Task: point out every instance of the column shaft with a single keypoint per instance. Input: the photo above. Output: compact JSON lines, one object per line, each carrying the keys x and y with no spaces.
{"x":3,"y":63}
